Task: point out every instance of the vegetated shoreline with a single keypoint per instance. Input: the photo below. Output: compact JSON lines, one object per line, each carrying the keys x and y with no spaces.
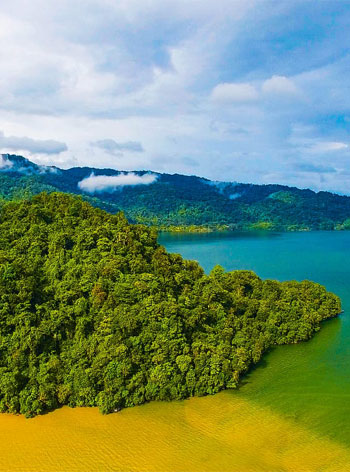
{"x":94,"y":312}
{"x":234,"y":228}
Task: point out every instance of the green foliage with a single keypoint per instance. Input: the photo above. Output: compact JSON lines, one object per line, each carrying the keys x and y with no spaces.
{"x":345,"y":225}
{"x":262,"y":225}
{"x":179,"y":202}
{"x":193,"y":228}
{"x":94,"y":312}
{"x":286,"y":197}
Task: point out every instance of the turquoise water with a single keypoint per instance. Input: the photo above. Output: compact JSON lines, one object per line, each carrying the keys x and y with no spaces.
{"x":309,"y":382}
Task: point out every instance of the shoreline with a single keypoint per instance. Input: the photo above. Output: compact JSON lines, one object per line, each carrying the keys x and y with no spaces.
{"x":206,"y":230}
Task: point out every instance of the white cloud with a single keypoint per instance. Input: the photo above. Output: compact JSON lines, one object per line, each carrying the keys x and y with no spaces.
{"x":244,"y":92}
{"x":111,"y":146}
{"x":233,"y":196}
{"x":306,"y":139}
{"x":127,"y":56}
{"x":5,"y":163}
{"x":279,"y":85}
{"x":314,"y":168}
{"x":35,"y":146}
{"x":327,"y":146}
{"x":110,"y":183}
{"x":234,"y":92}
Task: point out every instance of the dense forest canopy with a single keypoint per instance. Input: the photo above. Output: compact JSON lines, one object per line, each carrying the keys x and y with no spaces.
{"x":179,"y":202}
{"x":94,"y":312}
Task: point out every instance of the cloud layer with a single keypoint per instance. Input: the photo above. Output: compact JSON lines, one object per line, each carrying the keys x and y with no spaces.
{"x":242,"y":92}
{"x":34,"y":146}
{"x":110,"y":183}
{"x":112,"y":147}
{"x":234,"y":92}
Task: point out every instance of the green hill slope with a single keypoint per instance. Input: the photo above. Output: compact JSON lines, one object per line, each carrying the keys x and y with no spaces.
{"x":94,"y":312}
{"x":181,"y":202}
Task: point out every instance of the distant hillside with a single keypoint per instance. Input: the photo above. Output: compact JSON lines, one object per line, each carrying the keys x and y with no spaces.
{"x":178,"y":201}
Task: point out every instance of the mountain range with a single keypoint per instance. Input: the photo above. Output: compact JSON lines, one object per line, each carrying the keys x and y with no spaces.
{"x":180,"y":202}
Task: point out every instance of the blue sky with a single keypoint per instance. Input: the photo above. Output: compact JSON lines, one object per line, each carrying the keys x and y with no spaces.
{"x":251,"y":91}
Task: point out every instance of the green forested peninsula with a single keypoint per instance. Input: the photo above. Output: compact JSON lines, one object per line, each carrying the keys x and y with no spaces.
{"x":93,"y":311}
{"x":179,"y":202}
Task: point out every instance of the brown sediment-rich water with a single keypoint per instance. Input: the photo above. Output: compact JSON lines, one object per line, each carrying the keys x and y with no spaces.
{"x":217,"y":433}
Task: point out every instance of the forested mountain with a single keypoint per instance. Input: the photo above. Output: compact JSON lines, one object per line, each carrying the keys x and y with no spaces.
{"x":93,"y":311}
{"x":178,"y":201}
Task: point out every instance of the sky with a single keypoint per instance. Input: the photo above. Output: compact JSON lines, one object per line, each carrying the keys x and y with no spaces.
{"x":241,"y":90}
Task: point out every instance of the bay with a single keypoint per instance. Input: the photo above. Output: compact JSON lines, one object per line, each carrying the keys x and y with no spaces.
{"x":309,"y":382}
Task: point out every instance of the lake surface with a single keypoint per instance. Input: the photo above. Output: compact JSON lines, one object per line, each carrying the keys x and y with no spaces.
{"x":309,"y":382}
{"x":291,"y":413}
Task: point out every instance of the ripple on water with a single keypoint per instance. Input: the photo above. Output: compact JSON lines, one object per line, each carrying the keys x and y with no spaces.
{"x":218,"y":433}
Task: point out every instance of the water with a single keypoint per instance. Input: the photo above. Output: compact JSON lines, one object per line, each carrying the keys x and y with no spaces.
{"x":212,"y":434}
{"x":309,"y":382}
{"x":290,"y":414}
